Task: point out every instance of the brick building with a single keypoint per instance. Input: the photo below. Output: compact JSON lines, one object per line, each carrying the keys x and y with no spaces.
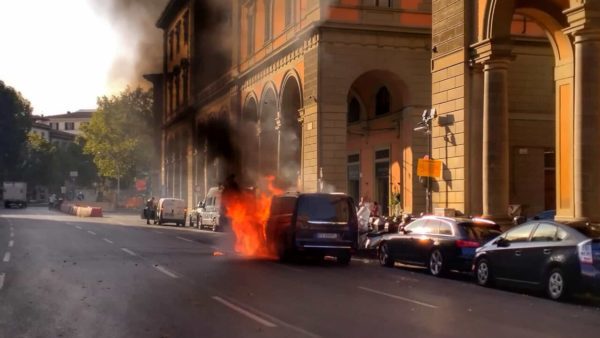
{"x":324,"y":94}
{"x":519,"y":114}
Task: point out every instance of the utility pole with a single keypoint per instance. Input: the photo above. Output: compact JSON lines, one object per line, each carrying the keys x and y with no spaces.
{"x":426,"y":126}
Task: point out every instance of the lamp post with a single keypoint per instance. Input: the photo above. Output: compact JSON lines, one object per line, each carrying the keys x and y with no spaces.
{"x":425,"y":126}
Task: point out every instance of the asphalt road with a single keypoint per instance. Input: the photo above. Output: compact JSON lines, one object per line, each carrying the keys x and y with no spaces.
{"x":63,"y":276}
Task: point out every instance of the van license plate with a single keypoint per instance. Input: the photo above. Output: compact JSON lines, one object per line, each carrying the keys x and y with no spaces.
{"x":327,"y":235}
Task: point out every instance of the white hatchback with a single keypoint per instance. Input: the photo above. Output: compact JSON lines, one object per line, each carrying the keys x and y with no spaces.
{"x":171,"y":210}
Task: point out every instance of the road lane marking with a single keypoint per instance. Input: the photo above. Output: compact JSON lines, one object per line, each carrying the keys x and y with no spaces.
{"x":78,"y":227}
{"x":244,"y":312}
{"x":2,"y":280}
{"x":129,"y":251}
{"x":165,"y":271}
{"x":91,"y":233}
{"x":408,"y":300}
{"x":11,"y":243}
{"x":108,"y":241}
{"x":6,"y":257}
{"x":184,"y":239}
{"x":12,"y":234}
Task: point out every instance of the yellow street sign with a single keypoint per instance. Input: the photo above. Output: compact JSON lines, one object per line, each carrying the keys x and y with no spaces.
{"x":429,"y":168}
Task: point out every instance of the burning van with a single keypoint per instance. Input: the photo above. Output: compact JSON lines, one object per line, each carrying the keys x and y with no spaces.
{"x":316,"y":224}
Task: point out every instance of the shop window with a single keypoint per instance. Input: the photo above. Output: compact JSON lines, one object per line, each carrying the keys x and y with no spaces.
{"x":354,"y":176}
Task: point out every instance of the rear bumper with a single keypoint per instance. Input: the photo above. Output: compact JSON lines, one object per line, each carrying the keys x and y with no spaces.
{"x":590,"y":278}
{"x":324,"y":246}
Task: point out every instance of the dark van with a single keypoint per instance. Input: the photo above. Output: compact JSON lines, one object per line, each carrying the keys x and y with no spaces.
{"x":318,"y":224}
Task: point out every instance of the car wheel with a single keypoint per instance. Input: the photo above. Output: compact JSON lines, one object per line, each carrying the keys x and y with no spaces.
{"x":160,"y":221}
{"x":436,"y":263}
{"x":556,"y":285}
{"x":344,"y":258}
{"x":483,"y":272}
{"x":384,"y":256}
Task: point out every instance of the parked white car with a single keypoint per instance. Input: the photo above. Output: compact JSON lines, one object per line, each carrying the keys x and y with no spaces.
{"x":208,"y":212}
{"x":171,"y":210}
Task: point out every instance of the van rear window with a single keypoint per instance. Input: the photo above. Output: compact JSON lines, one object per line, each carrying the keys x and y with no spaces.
{"x":325,"y":208}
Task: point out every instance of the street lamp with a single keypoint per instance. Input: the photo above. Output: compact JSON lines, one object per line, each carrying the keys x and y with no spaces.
{"x":425,"y":126}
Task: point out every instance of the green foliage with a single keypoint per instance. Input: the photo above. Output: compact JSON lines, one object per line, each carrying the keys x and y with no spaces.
{"x":48,"y":165}
{"x":119,"y":135}
{"x":15,"y":123}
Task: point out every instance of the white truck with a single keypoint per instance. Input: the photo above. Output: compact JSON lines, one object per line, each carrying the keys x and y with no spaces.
{"x":15,"y":194}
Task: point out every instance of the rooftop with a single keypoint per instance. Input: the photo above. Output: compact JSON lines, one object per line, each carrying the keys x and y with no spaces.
{"x":79,"y":114}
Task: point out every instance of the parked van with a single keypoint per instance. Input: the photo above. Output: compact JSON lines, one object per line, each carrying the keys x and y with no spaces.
{"x":171,"y":210}
{"x":208,"y":212}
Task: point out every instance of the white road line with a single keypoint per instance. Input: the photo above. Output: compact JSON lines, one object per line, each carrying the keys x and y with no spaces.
{"x":78,"y":227}
{"x":184,"y":239}
{"x":165,"y":271}
{"x":244,"y":312}
{"x":11,"y":243}
{"x":398,"y":297}
{"x":91,"y":233}
{"x":2,"y":280}
{"x":129,"y":251}
{"x":6,"y":257}
{"x":12,"y":234}
{"x":108,"y":241}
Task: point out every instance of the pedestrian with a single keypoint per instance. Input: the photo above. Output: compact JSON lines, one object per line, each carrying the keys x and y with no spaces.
{"x":150,"y":209}
{"x":375,"y":209}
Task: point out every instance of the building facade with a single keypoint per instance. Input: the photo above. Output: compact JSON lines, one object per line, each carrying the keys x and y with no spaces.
{"x":71,"y":122}
{"x":518,"y":116}
{"x":324,"y":95}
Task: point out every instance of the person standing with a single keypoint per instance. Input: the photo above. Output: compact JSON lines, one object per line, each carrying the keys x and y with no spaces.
{"x":150,"y":209}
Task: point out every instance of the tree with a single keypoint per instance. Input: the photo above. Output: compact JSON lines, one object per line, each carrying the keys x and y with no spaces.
{"x":119,"y":135}
{"x":15,"y":123}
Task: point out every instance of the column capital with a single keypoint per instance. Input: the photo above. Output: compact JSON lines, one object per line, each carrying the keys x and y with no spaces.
{"x":489,"y":51}
{"x":301,"y":115}
{"x":584,"y":21}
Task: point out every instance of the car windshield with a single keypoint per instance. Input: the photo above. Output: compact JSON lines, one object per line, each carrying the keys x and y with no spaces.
{"x":325,"y":208}
{"x":479,"y":232}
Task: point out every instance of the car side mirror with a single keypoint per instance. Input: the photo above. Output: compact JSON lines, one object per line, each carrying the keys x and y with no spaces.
{"x":502,"y":243}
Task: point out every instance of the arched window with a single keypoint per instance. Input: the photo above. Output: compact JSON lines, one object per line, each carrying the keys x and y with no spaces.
{"x":268,"y":20}
{"x":382,"y":101}
{"x":353,"y":110}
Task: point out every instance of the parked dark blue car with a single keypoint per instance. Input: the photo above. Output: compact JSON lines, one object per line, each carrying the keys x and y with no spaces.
{"x":557,"y":258}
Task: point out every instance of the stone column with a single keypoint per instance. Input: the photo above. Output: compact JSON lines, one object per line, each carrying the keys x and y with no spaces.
{"x":587,"y":125}
{"x":495,"y":138}
{"x":475,"y":141}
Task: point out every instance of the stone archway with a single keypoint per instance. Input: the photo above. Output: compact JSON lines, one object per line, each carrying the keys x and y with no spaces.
{"x":290,"y":134}
{"x":494,"y":53}
{"x":268,"y":134}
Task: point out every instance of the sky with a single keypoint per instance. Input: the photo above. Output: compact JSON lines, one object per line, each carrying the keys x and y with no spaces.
{"x":58,"y":53}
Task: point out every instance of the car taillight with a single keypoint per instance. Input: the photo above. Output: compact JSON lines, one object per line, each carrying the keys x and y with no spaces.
{"x":467,"y":244}
{"x":584,"y":250}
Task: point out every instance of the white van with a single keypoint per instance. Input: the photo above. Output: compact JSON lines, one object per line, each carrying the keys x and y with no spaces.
{"x":171,"y":210}
{"x":209,"y":211}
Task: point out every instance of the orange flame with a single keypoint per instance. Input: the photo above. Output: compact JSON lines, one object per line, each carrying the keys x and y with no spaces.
{"x":248,"y":213}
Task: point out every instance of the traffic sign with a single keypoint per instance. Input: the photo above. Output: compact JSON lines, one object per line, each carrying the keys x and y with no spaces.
{"x":429,"y":168}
